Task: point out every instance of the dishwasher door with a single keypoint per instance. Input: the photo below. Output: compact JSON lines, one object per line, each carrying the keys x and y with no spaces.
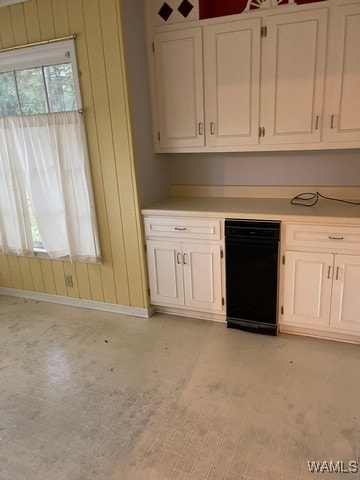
{"x":252,"y":283}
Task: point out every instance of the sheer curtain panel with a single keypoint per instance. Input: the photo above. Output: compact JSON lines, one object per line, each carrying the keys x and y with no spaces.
{"x":15,"y":228}
{"x":51,"y":153}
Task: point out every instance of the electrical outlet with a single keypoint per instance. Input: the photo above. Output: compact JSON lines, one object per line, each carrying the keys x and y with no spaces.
{"x":69,"y":281}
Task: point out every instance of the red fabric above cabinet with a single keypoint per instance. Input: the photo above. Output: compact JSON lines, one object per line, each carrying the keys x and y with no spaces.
{"x":220,"y":8}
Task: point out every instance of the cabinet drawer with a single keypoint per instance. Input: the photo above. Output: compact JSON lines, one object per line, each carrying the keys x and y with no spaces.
{"x":183,"y":227}
{"x":323,"y":236}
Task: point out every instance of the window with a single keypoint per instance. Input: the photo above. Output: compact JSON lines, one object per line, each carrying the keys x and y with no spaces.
{"x":46,"y":199}
{"x":40,"y":79}
{"x":37,"y":90}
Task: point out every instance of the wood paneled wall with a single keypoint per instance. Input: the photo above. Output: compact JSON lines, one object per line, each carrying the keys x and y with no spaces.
{"x":121,"y":278}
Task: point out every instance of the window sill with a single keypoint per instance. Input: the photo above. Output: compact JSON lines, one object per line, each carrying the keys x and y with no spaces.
{"x":41,"y":253}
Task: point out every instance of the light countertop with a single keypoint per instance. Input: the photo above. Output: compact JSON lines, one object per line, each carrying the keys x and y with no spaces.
{"x":256,"y":208}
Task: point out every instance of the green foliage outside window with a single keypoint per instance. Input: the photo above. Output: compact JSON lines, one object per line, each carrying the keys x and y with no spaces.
{"x":37,"y":90}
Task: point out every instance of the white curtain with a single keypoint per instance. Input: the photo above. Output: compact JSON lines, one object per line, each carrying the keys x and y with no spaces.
{"x":49,"y":155}
{"x":15,"y":229}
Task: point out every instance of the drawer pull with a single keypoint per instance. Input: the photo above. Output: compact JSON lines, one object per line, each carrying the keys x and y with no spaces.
{"x":182,"y":229}
{"x":335,"y":238}
{"x":329,"y":271}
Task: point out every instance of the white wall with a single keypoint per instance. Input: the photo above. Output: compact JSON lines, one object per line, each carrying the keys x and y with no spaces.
{"x":331,"y":167}
{"x":152,"y":170}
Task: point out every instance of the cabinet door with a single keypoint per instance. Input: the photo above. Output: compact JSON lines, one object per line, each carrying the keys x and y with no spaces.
{"x":202,"y":276}
{"x":343,"y":92}
{"x":165,"y":272}
{"x":293,"y":56}
{"x":345,"y":308}
{"x":179,"y":85}
{"x":307,"y":288}
{"x":232,"y":69}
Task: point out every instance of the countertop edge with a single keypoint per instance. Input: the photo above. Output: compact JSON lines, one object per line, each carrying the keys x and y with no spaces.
{"x":273,"y":209}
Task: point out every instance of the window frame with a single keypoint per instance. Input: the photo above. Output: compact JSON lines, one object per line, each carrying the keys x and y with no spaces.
{"x":51,"y":53}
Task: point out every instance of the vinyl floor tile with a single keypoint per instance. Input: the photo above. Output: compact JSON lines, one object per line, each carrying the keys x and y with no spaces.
{"x":87,"y":395}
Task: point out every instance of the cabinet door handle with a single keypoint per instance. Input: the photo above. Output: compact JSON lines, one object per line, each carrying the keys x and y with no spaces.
{"x":200,"y":129}
{"x":317,"y":122}
{"x":332,"y":121}
{"x":185,"y":262}
{"x":329,"y":272}
{"x":178,"y":258}
{"x":180,"y":229}
{"x":212,"y":131}
{"x":335,"y":238}
{"x":337,"y":273}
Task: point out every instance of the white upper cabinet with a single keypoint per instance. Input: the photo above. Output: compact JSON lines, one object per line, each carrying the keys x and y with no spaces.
{"x":232,"y":82}
{"x":342,"y":120}
{"x":294,"y":54}
{"x":282,"y":78}
{"x":179,"y":85}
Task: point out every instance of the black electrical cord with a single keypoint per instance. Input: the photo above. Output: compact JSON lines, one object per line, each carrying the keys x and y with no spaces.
{"x":309,"y":199}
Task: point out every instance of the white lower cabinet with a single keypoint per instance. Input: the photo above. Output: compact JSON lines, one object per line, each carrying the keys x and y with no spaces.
{"x":165,"y":272}
{"x":345,"y":307}
{"x":185,"y":274}
{"x":321,"y":290}
{"x":307,"y":288}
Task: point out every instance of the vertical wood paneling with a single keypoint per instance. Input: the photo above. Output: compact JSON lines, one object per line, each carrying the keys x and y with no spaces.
{"x":37,"y":275}
{"x":83,"y":281}
{"x":121,"y":277}
{"x":59,"y":278}
{"x":15,"y":272}
{"x":18,"y":24}
{"x":76,"y":18}
{"x":32,"y":22}
{"x":105,"y":145}
{"x":26,"y":274}
{"x":6,"y":31}
{"x":6,"y":277}
{"x":48,"y":276}
{"x":96,"y":283}
{"x":46,"y":19}
{"x":61,"y":19}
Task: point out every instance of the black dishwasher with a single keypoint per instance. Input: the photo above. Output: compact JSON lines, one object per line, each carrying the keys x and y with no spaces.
{"x":252,"y":275}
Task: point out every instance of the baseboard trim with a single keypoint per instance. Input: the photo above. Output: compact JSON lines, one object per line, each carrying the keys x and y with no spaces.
{"x":217,"y":317}
{"x":78,"y":302}
{"x":321,"y":333}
